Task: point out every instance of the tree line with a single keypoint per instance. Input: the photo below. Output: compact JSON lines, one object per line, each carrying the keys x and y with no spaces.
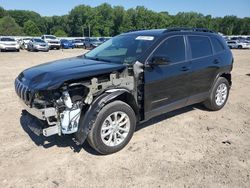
{"x":105,"y":20}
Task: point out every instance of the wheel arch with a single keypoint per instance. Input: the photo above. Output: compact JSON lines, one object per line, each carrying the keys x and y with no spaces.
{"x":228,"y":76}
{"x":88,"y":117}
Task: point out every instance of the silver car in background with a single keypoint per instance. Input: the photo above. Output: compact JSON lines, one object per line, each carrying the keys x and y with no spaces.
{"x":9,"y":44}
{"x":37,"y":44}
{"x":238,"y":44}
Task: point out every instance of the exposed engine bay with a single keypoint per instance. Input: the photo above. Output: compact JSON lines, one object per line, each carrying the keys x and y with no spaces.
{"x":61,"y":109}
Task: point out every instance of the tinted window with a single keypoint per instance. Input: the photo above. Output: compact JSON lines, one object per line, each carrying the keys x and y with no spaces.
{"x":200,"y":46}
{"x":173,"y":49}
{"x":218,"y":47}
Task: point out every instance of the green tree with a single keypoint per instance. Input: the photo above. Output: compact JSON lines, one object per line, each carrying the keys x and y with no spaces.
{"x":60,"y":33}
{"x":22,"y":16}
{"x":9,"y":27}
{"x":105,"y":20}
{"x":79,"y":19}
{"x":31,"y":29}
{"x":2,"y":12}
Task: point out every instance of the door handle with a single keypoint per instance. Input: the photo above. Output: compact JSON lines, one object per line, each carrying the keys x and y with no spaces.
{"x":216,"y":61}
{"x":184,"y":69}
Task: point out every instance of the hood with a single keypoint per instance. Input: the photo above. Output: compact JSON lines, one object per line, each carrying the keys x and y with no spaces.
{"x":52,"y":75}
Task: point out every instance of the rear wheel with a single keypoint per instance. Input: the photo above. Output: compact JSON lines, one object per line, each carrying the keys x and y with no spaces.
{"x":113,"y":128}
{"x":240,"y":47}
{"x":219,"y":95}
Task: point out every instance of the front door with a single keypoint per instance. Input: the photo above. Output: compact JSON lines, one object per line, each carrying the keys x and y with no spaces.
{"x":166,"y":85}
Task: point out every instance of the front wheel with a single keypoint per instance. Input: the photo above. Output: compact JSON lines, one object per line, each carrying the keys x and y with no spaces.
{"x":219,"y":95}
{"x":113,"y":128}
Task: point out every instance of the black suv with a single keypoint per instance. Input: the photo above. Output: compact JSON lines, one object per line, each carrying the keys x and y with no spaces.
{"x":101,"y":96}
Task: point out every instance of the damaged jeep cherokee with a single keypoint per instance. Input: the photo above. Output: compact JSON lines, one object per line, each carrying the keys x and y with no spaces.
{"x":102,"y":95}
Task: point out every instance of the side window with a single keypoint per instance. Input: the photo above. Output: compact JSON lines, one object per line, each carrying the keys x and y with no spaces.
{"x":200,"y":46}
{"x":173,"y":49}
{"x":218,"y":46}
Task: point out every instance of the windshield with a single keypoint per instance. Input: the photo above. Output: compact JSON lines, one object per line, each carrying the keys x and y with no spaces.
{"x":39,"y":40}
{"x":121,"y":49}
{"x":50,"y":37}
{"x":7,"y":39}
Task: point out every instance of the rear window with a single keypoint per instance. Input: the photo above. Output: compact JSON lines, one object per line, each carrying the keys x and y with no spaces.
{"x":218,"y":46}
{"x":200,"y":46}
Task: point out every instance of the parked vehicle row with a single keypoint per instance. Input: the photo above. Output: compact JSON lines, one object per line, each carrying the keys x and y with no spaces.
{"x":238,"y":44}
{"x":47,"y":42}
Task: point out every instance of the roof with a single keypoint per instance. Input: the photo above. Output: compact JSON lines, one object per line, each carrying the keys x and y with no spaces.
{"x":157,"y":32}
{"x":152,"y":32}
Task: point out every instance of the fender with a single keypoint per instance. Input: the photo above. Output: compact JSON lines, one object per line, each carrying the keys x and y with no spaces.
{"x":88,"y":118}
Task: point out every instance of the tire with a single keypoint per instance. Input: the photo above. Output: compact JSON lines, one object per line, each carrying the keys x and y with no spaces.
{"x":118,"y":109}
{"x":239,"y":47}
{"x":17,"y":50}
{"x":212,"y":103}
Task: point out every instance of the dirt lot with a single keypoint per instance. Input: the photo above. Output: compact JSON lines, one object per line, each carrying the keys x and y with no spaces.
{"x":190,"y":147}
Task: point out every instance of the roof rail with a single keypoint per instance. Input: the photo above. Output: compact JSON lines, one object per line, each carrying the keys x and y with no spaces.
{"x":133,"y":30}
{"x":188,"y":29}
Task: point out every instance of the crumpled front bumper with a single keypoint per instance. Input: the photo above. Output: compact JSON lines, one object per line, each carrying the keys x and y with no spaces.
{"x":41,"y":114}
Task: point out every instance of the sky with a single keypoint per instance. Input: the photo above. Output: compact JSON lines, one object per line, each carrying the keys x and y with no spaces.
{"x":216,"y":8}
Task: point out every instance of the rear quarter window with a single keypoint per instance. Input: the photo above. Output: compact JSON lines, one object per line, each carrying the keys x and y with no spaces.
{"x":217,"y":45}
{"x":200,"y":46}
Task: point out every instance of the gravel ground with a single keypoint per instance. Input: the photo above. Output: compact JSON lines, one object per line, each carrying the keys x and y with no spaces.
{"x":190,"y":147}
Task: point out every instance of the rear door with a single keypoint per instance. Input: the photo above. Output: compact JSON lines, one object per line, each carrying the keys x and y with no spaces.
{"x":204,"y":65}
{"x":166,"y":85}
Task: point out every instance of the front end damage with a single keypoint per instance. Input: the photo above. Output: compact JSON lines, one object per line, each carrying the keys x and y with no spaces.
{"x":62,"y":109}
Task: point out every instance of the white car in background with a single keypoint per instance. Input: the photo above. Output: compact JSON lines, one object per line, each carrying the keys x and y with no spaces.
{"x":9,"y":44}
{"x":24,"y":43}
{"x":238,"y":44}
{"x":52,"y":41}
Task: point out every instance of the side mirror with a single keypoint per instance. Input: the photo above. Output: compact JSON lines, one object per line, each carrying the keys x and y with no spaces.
{"x":159,"y":60}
